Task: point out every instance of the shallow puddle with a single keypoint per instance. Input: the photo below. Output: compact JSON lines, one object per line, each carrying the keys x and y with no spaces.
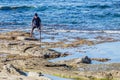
{"x":55,"y":77}
{"x":108,"y":50}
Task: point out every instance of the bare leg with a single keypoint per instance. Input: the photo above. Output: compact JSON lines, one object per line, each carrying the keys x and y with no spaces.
{"x":31,"y":34}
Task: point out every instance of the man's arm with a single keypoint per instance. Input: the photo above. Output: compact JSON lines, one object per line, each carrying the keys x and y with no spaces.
{"x":32,"y":21}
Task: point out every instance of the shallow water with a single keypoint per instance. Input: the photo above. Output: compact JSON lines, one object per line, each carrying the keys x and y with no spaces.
{"x":51,"y":77}
{"x":108,"y":50}
{"x":55,"y":78}
{"x":71,"y":35}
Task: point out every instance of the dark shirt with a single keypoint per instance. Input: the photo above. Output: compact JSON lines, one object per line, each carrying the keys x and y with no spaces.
{"x":36,"y":22}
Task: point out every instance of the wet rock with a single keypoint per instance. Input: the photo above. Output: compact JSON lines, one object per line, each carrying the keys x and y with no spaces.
{"x":56,"y":65}
{"x":86,"y":59}
{"x":25,"y":38}
{"x":13,"y":35}
{"x":51,"y":55}
{"x":46,"y":56}
{"x":77,"y":61}
{"x":101,"y":59}
{"x":10,"y":69}
{"x":104,"y":38}
{"x":17,"y":33}
{"x":65,"y":54}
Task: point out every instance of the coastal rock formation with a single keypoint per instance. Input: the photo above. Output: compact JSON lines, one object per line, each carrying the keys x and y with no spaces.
{"x":24,"y":57}
{"x":18,"y":42}
{"x":10,"y":69}
{"x":10,"y":72}
{"x":101,"y":59}
{"x":13,"y":35}
{"x":76,"y":61}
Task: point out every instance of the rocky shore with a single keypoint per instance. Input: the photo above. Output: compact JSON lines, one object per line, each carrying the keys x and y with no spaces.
{"x":26,"y":58}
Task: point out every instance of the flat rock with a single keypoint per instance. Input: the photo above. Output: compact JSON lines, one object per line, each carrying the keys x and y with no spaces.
{"x":10,"y":69}
{"x":12,"y":35}
{"x":25,"y":38}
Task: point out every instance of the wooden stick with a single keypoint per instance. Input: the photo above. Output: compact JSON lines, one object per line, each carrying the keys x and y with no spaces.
{"x":40,"y":36}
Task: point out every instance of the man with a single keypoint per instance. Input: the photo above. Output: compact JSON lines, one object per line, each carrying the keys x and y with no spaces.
{"x":36,"y":23}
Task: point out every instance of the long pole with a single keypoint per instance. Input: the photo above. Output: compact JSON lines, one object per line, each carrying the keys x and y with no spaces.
{"x":40,"y":34}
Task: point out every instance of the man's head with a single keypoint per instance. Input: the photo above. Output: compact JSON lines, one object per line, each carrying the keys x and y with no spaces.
{"x":36,"y":15}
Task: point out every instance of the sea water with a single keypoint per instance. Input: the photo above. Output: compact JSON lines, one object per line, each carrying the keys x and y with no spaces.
{"x":61,"y":14}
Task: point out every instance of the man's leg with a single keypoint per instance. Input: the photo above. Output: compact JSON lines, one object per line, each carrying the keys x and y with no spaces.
{"x":31,"y":34}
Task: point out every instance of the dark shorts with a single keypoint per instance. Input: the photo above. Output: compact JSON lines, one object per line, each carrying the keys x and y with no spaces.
{"x":38,"y":27}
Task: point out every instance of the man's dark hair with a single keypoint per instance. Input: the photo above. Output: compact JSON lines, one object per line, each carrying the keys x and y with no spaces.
{"x":36,"y":14}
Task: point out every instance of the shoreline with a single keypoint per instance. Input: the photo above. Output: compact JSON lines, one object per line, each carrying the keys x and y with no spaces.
{"x":18,"y":49}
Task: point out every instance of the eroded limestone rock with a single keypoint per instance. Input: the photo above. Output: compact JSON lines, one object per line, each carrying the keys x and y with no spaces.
{"x":13,"y":35}
{"x":85,"y":59}
{"x":10,"y":69}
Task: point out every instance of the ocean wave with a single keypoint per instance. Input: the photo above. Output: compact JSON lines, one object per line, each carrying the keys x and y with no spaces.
{"x":99,"y":6}
{"x":11,"y":23}
{"x":89,"y":31}
{"x":38,"y":8}
{"x":15,"y":7}
{"x":43,"y":8}
{"x":101,"y":14}
{"x":116,"y":14}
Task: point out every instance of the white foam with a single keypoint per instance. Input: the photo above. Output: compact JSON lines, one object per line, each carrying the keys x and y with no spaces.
{"x":88,"y":31}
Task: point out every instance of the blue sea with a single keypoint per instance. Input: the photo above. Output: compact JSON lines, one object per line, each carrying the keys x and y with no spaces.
{"x":61,"y":14}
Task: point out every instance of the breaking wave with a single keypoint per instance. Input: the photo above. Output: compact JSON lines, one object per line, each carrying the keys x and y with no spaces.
{"x":99,"y":6}
{"x":87,"y":31}
{"x":15,"y":7}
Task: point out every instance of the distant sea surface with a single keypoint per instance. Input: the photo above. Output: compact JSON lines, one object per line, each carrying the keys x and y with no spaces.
{"x":61,"y":14}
